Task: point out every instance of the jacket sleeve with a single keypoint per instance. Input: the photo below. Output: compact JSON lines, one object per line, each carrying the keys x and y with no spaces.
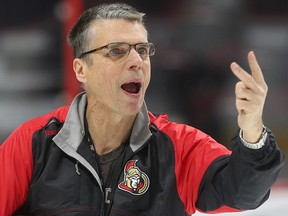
{"x":241,"y":181}
{"x":16,"y":166}
{"x":194,"y":151}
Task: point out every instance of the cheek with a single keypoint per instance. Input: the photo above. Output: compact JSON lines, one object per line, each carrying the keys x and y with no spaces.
{"x":102,"y":79}
{"x":109,"y":86}
{"x":147,"y":75}
{"x":107,"y":80}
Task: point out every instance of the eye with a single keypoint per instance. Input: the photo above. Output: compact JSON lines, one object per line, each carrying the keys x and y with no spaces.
{"x":142,"y":50}
{"x":117,"y":51}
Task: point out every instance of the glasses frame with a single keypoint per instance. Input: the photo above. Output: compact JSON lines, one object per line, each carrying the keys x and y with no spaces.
{"x":119,"y":43}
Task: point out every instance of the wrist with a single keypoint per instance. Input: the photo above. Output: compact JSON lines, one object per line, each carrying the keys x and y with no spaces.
{"x":253,"y":135}
{"x":254,"y":145}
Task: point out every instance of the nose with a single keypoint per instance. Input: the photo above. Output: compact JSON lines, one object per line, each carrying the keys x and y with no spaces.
{"x":134,"y":59}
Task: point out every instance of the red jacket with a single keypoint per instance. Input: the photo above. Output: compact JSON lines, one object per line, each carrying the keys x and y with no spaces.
{"x":47,"y":168}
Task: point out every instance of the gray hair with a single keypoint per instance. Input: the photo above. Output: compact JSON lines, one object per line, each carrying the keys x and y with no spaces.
{"x":80,"y":34}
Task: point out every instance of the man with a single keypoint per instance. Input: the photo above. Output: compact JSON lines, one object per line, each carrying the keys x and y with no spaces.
{"x":107,"y":155}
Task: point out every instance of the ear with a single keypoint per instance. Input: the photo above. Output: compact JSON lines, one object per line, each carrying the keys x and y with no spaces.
{"x":79,"y":69}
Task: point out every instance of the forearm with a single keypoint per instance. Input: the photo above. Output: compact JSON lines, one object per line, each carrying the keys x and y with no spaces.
{"x":243,"y":180}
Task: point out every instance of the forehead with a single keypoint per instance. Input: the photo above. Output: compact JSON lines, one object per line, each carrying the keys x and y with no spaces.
{"x":115,"y":30}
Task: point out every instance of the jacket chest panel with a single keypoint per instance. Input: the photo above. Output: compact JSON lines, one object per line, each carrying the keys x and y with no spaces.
{"x":61,"y":185}
{"x":147,"y":183}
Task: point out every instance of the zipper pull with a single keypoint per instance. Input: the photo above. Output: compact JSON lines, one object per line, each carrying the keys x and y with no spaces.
{"x":77,"y":168}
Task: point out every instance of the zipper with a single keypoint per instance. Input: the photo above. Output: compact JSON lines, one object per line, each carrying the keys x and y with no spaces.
{"x":122,"y":165}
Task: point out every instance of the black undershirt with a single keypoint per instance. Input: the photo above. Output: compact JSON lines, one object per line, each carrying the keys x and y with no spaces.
{"x":106,"y":163}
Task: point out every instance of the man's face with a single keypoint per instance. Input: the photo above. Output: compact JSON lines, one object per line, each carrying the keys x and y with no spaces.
{"x":135,"y":180}
{"x":117,"y":84}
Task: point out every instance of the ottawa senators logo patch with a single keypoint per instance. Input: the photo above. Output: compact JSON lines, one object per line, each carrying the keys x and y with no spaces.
{"x":135,"y":181}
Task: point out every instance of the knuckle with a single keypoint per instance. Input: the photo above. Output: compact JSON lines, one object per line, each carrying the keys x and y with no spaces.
{"x":239,"y":87}
{"x":249,"y":79}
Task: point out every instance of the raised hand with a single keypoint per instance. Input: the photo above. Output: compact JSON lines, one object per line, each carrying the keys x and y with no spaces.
{"x":250,"y":92}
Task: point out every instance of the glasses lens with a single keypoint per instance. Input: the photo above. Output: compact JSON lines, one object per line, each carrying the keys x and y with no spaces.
{"x":121,"y":49}
{"x":152,"y":49}
{"x":118,"y":50}
{"x":145,"y":49}
{"x":142,"y":49}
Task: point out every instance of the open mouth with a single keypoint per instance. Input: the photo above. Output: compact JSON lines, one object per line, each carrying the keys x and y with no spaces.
{"x":131,"y":87}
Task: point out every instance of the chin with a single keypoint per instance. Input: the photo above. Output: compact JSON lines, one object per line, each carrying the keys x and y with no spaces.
{"x":133,"y":108}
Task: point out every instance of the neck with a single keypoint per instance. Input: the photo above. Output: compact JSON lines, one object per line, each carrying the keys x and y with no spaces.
{"x":108,"y":130}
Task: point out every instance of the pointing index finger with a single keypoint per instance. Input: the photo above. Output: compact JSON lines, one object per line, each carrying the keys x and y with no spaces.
{"x":242,"y":75}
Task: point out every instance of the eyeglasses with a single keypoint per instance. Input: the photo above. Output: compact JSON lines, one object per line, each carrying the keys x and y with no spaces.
{"x":120,"y":49}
